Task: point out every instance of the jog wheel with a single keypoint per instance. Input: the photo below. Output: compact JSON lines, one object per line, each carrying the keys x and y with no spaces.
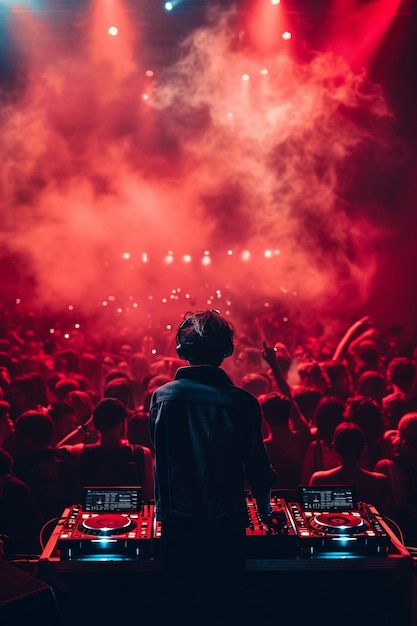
{"x":107,"y":525}
{"x":338,"y":523}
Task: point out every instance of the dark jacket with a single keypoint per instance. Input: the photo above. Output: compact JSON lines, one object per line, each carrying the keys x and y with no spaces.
{"x":208,"y":446}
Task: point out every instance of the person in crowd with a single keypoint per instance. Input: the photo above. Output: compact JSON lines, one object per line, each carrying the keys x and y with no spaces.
{"x":4,"y":381}
{"x":313,"y":375}
{"x":367,"y":414}
{"x":402,"y":399}
{"x":112,"y":460}
{"x":401,"y":471}
{"x":48,"y":472}
{"x":373,"y":385}
{"x":371,"y":487}
{"x":285,"y":445}
{"x":256,"y":383}
{"x":247,"y":361}
{"x":299,"y":422}
{"x":338,"y":373}
{"x":207,"y":436}
{"x":64,"y":386}
{"x":63,"y":415}
{"x":83,"y":404}
{"x":6,"y":423}
{"x":23,"y":395}
{"x":284,"y":360}
{"x":120,"y":386}
{"x":20,"y":518}
{"x":320,"y":453}
{"x":139,"y":373}
{"x":307,"y":399}
{"x":67,"y":362}
{"x":360,"y":349}
{"x":137,"y":429}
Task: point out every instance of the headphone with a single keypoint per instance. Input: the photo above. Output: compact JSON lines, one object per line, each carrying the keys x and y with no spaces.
{"x":206,"y":343}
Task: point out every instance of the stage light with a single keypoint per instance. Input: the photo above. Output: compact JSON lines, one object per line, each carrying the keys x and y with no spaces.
{"x":169,"y":6}
{"x":286,"y":36}
{"x":113,"y":31}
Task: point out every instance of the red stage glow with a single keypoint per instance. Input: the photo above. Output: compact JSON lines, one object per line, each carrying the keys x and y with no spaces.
{"x":106,"y":150}
{"x":264,"y":23}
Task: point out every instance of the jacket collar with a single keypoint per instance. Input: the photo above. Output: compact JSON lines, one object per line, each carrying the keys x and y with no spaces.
{"x":206,"y":374}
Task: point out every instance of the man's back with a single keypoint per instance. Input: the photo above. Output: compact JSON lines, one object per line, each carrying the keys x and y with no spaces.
{"x":206,"y":434}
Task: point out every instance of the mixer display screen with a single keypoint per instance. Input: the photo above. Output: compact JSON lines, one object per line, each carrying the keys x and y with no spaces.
{"x":327,"y":498}
{"x":112,"y":499}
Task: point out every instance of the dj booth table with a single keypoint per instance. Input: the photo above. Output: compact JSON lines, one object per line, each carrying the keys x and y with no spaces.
{"x":319,"y":590}
{"x":360,"y":591}
{"x":297,"y":575}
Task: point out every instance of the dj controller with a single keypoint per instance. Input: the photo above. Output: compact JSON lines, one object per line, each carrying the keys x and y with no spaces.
{"x":113,"y":524}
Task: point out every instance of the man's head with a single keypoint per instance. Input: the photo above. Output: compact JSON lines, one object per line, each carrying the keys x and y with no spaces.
{"x":205,"y":338}
{"x":108,"y":414}
{"x":401,"y":371}
{"x":349,"y":441}
{"x":276,"y":408}
{"x":34,"y":430}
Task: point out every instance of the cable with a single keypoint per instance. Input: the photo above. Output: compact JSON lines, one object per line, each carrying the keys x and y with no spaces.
{"x":395,"y":527}
{"x":45,"y":526}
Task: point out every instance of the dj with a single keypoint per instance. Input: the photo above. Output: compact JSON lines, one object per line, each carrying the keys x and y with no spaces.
{"x":208,"y":445}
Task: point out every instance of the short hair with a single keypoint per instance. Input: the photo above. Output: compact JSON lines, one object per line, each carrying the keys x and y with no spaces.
{"x":401,"y":371}
{"x":366,"y":412}
{"x":205,"y":337}
{"x":349,"y":440}
{"x":120,"y":388}
{"x":369,"y":352}
{"x":334,"y":369}
{"x":70,"y":357}
{"x":256,"y":383}
{"x":373,"y":385}
{"x":64,"y":386}
{"x":109,"y":413}
{"x":328,"y":414}
{"x":276,"y":408}
{"x":407,"y":431}
{"x":57,"y":410}
{"x":38,"y":424}
{"x":307,"y":399}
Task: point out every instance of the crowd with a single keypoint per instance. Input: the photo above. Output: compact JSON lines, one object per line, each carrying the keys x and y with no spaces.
{"x":76,"y":413}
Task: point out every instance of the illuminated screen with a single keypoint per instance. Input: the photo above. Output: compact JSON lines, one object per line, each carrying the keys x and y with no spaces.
{"x":327,"y":498}
{"x":112,"y":499}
